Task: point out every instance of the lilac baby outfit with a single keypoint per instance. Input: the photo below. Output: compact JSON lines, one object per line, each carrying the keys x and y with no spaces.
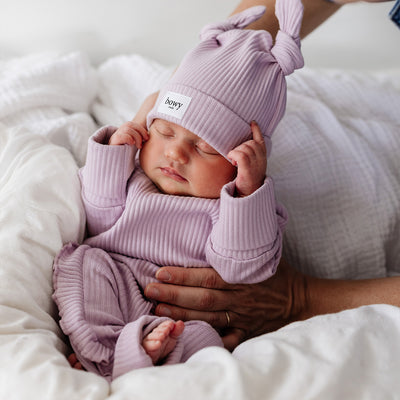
{"x":133,"y":229}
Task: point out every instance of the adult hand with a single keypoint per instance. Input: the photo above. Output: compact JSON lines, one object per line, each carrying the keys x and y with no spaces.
{"x":239,"y":312}
{"x":358,"y":1}
{"x":200,"y":293}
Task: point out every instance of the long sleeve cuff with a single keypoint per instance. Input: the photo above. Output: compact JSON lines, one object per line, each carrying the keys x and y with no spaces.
{"x":107,"y":169}
{"x":246,"y":223}
{"x":245,"y":245}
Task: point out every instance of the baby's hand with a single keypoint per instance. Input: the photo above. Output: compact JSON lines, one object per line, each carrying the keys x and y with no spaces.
{"x":251,"y":160}
{"x":130,"y":133}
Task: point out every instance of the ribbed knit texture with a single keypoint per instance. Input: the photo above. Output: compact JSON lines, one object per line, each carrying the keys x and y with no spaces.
{"x":231,"y":78}
{"x":133,"y":229}
{"x":234,"y":76}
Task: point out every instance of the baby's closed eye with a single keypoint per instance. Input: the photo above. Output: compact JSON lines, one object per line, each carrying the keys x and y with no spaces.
{"x":206,"y":148}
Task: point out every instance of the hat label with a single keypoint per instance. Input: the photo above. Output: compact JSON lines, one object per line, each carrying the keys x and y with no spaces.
{"x":174,"y":104}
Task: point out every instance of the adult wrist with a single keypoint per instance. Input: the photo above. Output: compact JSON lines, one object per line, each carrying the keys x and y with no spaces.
{"x":300,"y":305}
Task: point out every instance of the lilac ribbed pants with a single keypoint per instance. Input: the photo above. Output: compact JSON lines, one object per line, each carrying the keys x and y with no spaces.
{"x":105,"y":315}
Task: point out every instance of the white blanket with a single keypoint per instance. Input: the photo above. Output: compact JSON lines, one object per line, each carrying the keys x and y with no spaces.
{"x":336,"y":167}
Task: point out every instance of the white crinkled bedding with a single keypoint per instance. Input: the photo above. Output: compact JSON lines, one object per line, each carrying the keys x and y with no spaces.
{"x":336,"y":164}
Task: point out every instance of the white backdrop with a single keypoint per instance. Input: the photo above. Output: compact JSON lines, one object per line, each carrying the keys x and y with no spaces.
{"x":358,"y":36}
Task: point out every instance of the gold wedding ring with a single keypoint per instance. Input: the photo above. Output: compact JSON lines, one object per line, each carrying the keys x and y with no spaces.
{"x":228,"y":318}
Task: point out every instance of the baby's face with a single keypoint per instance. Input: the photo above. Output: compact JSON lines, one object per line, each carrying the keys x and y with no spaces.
{"x":180,"y":163}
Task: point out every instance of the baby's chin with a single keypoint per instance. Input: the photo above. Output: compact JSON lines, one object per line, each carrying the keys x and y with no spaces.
{"x":185,"y":193}
{"x":172,"y":191}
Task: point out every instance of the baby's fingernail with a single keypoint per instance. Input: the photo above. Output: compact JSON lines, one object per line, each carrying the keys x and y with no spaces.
{"x":164,"y":276}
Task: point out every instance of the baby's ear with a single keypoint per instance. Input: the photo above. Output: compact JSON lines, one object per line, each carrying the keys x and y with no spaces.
{"x":237,"y":21}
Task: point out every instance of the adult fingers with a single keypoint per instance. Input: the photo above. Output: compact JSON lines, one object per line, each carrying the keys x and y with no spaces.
{"x":218,"y":319}
{"x":193,"y":298}
{"x":232,"y":338}
{"x":254,"y":309}
{"x":198,"y":277}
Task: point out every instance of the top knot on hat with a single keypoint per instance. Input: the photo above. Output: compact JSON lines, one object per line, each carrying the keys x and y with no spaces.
{"x":233,"y":76}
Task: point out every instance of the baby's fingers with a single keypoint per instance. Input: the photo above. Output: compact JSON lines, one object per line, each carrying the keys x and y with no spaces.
{"x":130,"y":133}
{"x":257,"y":134}
{"x":137,"y":138}
{"x":241,"y":156}
{"x":120,"y":138}
{"x":139,"y":128}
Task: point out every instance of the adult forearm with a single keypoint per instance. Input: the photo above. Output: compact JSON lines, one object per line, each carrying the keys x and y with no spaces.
{"x":324,"y":296}
{"x":315,"y":13}
{"x":145,"y":108}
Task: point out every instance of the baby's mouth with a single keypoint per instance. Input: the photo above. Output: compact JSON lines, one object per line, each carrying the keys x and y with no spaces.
{"x":173,"y":174}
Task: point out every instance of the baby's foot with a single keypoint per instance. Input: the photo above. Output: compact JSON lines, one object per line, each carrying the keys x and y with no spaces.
{"x":162,"y":339}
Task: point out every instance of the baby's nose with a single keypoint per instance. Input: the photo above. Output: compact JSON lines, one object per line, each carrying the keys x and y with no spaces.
{"x":177,"y":152}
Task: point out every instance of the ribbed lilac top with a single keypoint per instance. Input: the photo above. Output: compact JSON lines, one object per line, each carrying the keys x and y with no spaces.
{"x":126,"y":214}
{"x":133,"y":230}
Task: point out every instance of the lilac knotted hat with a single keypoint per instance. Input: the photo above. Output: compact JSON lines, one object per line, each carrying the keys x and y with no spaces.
{"x":234,"y":76}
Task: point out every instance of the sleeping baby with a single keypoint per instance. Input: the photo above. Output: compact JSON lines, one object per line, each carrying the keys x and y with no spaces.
{"x":189,"y":189}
